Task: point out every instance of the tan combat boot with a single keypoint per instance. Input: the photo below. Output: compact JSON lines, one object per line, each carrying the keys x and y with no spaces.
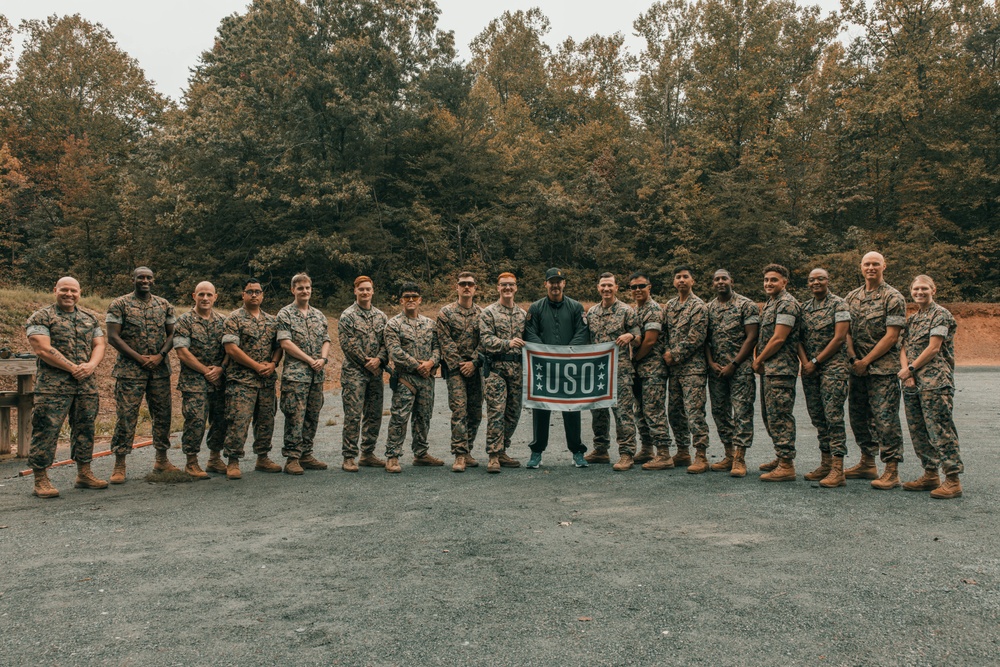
{"x":233,"y":469}
{"x":459,"y":464}
{"x":700,"y":463}
{"x":597,"y":456}
{"x":662,"y":460}
{"x":43,"y":487}
{"x":310,"y":462}
{"x":835,"y":477}
{"x":682,"y":458}
{"x":293,"y":467}
{"x":785,"y":472}
{"x":162,"y":463}
{"x":725,"y":464}
{"x":471,"y":462}
{"x":426,"y":459}
{"x":822,"y":471}
{"x":265,"y":464}
{"x":493,"y":465}
{"x":392,"y":465}
{"x":193,"y":469}
{"x":769,"y":466}
{"x":889,"y":478}
{"x":85,"y":478}
{"x":118,"y":472}
{"x":739,"y":468}
{"x":927,"y":482}
{"x":625,"y":462}
{"x":349,"y":465}
{"x":508,"y":462}
{"x":646,"y":453}
{"x":215,"y":463}
{"x":370,"y":461}
{"x":865,"y":469}
{"x":952,"y":488}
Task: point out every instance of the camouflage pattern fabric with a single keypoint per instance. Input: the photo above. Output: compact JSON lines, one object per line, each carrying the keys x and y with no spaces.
{"x":871,"y":313}
{"x":199,"y":408}
{"x":777,"y":410}
{"x":72,"y":334}
{"x":727,"y":321}
{"x":732,"y":406}
{"x":873,"y":406}
{"x":362,"y":395}
{"x":687,"y":328}
{"x":465,"y":400}
{"x":361,"y":334}
{"x":686,"y":410}
{"x":652,"y":366}
{"x":932,"y":429}
{"x":257,"y":337}
{"x":939,"y":372}
{"x":408,"y":342}
{"x":819,"y":323}
{"x":498,"y":325}
{"x":144,"y":329}
{"x":47,"y":417}
{"x":606,"y":325}
{"x":128,"y":398}
{"x":202,"y":337}
{"x":651,"y":412}
{"x":458,"y":335}
{"x":246,"y":403}
{"x":826,"y":392}
{"x":783,"y":309}
{"x":309,"y":331}
{"x":301,"y":403}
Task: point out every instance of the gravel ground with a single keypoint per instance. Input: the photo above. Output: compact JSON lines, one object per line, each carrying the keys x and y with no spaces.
{"x":556,"y":566}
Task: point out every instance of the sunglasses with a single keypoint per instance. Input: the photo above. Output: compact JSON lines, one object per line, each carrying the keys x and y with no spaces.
{"x":466,"y":283}
{"x":638,"y":286}
{"x":410,"y":297}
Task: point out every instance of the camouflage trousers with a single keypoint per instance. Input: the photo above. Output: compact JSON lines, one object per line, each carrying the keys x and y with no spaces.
{"x":47,"y":417}
{"x":624,"y":414}
{"x":301,"y":403}
{"x":361,"y":394}
{"x":686,"y":410}
{"x":128,"y":398}
{"x":776,"y":407}
{"x":826,"y":392}
{"x":465,"y":400}
{"x":503,"y":405}
{"x":413,"y":407}
{"x":197,"y":408}
{"x":246,"y":403}
{"x":932,"y":429}
{"x":651,"y":411}
{"x":873,"y":405}
{"x":732,"y":406}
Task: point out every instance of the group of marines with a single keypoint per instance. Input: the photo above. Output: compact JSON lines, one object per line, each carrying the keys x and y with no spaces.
{"x":846,"y":349}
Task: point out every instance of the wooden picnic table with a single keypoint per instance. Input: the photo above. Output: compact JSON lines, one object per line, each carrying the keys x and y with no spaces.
{"x":22,"y":400}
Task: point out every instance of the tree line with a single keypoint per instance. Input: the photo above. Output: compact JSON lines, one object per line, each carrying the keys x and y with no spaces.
{"x":345,"y":137}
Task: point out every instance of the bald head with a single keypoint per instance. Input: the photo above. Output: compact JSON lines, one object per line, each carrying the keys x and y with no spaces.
{"x":67,"y":293}
{"x":204,"y":286}
{"x":204,"y":298}
{"x":872,"y":268}
{"x":873,"y":257}
{"x":67,"y":280}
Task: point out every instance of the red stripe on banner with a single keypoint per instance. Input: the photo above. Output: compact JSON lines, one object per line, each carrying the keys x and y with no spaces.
{"x":568,"y":401}
{"x":594,"y":355}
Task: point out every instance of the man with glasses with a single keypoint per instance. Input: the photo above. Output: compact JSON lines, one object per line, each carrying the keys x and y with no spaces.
{"x":412,"y":343}
{"x":733,"y":324}
{"x":251,"y":341}
{"x":458,"y":336}
{"x":501,"y":334}
{"x":650,"y":378}
{"x":556,"y":319}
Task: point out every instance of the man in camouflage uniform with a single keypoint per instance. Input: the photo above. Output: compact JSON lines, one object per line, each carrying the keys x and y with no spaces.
{"x":198,"y":344}
{"x":733,"y":325}
{"x":686,"y":319}
{"x":777,"y":361}
{"x":501,"y":334}
{"x":412,"y":343}
{"x":251,"y":341}
{"x":826,"y":320}
{"x":69,"y":344}
{"x":878,"y":315}
{"x":141,"y":328}
{"x":304,"y":337}
{"x":360,"y":330}
{"x":650,"y":383}
{"x":612,"y":320}
{"x":458,"y":336}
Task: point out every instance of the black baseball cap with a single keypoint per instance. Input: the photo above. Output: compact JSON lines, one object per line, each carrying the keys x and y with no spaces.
{"x":554,"y":273}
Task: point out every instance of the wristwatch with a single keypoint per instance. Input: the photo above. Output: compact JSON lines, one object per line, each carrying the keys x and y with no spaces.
{"x":911,"y":368}
{"x":851,"y":360}
{"x":813,"y":361}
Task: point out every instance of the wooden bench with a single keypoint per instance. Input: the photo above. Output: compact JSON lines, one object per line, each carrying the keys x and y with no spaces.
{"x":22,"y":400}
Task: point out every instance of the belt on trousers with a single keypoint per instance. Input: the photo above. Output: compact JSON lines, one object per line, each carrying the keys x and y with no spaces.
{"x":506,"y":357}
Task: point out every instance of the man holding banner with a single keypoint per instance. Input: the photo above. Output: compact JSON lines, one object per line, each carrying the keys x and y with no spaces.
{"x":555,"y":320}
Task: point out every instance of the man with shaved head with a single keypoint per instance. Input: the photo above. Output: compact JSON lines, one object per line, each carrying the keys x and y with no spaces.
{"x":878,"y":314}
{"x":69,"y":343}
{"x":198,"y":344}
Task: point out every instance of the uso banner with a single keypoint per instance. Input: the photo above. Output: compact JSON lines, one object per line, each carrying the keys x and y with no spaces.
{"x":568,"y":378}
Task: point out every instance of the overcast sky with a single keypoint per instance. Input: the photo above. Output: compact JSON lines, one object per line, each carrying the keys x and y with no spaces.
{"x":168,"y":37}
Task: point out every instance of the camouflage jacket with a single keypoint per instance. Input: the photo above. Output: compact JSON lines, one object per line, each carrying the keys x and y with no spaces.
{"x":498,"y":325}
{"x":73,"y":335}
{"x":652,"y":366}
{"x":819,"y":320}
{"x":258,"y":339}
{"x":309,"y":332}
{"x":687,"y":328}
{"x":361,"y":335}
{"x":203,"y":338}
{"x":410,"y":341}
{"x":782,"y":309}
{"x":727,"y":322}
{"x":607,"y":324}
{"x":144,"y":329}
{"x":939,"y":372}
{"x":458,"y":334}
{"x":871,"y":313}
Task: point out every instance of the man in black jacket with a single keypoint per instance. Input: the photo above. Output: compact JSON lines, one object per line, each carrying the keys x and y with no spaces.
{"x":556,"y":320}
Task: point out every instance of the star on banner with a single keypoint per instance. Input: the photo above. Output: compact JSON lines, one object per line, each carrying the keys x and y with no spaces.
{"x":538,"y":368}
{"x":600,"y":386}
{"x":538,"y":387}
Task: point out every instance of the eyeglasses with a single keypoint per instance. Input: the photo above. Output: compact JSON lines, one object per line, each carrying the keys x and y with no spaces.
{"x":506,"y":285}
{"x":638,"y":286}
{"x":466,"y":283}
{"x":410,"y":297}
{"x":253,"y":292}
